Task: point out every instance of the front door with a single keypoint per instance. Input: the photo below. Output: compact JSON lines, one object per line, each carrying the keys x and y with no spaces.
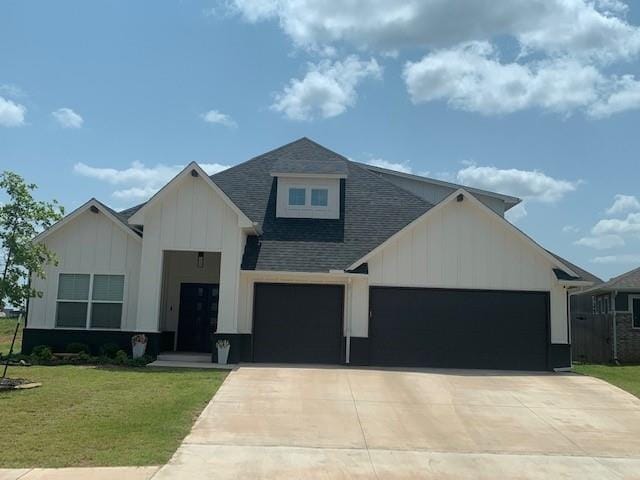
{"x":198,"y":317}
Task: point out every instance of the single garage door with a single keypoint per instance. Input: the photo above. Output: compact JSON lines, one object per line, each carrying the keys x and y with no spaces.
{"x":297,"y":323}
{"x":458,"y":328}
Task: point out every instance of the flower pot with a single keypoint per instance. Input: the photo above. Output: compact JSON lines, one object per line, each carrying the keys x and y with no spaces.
{"x":223,"y":355}
{"x":138,"y":346}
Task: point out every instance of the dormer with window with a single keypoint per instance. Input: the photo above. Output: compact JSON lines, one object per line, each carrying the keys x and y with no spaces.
{"x":308,"y":188}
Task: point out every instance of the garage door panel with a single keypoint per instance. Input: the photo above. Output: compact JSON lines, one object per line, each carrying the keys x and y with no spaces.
{"x":458,"y":328}
{"x":297,"y":323}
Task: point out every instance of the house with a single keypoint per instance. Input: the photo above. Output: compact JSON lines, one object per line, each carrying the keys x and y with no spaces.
{"x":606,"y":320}
{"x":301,"y":255}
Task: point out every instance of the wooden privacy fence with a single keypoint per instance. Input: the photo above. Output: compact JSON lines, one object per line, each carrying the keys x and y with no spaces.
{"x":591,"y":338}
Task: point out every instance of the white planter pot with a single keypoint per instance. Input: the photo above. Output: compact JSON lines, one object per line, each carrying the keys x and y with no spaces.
{"x":223,"y":355}
{"x":138,"y":349}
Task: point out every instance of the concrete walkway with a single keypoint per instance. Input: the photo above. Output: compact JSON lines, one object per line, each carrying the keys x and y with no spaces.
{"x":95,"y":473}
{"x":272,"y":423}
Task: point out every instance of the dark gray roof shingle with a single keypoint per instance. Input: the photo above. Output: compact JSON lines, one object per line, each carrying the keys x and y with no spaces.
{"x":372,"y":209}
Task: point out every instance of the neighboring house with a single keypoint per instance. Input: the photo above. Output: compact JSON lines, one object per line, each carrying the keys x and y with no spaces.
{"x":606,"y":320}
{"x":301,"y":255}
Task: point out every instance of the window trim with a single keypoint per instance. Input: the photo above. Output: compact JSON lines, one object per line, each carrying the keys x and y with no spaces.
{"x":296,"y":187}
{"x":89,"y":301}
{"x":631,"y":299}
{"x":321,"y":188}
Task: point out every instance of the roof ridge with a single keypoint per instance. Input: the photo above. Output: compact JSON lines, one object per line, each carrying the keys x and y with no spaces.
{"x":618,"y":277}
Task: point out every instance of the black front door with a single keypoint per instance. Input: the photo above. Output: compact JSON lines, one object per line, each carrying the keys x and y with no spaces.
{"x":198,"y":316}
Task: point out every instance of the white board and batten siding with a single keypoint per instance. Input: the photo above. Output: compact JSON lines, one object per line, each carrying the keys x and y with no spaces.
{"x":464,"y":246}
{"x":91,"y":243}
{"x":190,"y":215}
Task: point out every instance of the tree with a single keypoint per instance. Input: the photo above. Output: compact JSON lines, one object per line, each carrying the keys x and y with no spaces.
{"x":21,"y":219}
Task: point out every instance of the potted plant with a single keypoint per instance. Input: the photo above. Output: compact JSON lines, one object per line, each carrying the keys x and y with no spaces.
{"x":138,"y":345}
{"x":223,"y":351}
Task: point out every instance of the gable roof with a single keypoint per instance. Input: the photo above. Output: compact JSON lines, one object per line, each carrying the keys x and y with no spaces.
{"x":582,"y":274}
{"x":119,"y":219}
{"x":629,"y":281}
{"x":192,"y":169}
{"x":372,"y":209}
{"x":572,"y":276}
{"x":304,"y":157}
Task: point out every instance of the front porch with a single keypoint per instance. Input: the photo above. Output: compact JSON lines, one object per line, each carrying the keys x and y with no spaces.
{"x":189,"y":304}
{"x":175,"y":359}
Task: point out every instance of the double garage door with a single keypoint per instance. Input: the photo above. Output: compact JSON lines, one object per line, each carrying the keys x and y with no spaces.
{"x":408,"y":327}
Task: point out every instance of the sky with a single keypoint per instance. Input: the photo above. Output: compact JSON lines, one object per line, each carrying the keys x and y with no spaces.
{"x":535,"y":98}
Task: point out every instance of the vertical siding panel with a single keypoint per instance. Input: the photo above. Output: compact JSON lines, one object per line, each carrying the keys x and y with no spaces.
{"x":199,"y":216}
{"x":183,"y":217}
{"x":419,"y":254}
{"x":167,"y":226}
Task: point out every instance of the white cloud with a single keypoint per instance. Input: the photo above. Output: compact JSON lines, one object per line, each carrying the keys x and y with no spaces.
{"x":627,"y":258}
{"x":563,"y":48}
{"x":67,"y":118}
{"x":529,"y":185}
{"x":525,"y":184}
{"x":11,"y":114}
{"x":630,"y":224}
{"x":139,"y":182}
{"x":555,"y":27}
{"x":624,"y":203}
{"x":471,"y":77}
{"x":603,"y":242}
{"x":570,"y":229}
{"x":623,"y":95}
{"x":214,"y":116}
{"x":327,"y":89}
{"x":398,"y":167}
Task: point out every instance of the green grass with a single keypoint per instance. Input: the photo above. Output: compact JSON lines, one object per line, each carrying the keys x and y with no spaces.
{"x":7,"y":327}
{"x":625,"y":377}
{"x":89,"y":416}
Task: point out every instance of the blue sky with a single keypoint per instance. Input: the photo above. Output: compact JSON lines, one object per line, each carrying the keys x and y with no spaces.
{"x":539,"y":99}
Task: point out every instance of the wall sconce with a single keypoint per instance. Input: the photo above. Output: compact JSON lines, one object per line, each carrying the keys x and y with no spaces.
{"x":200,"y":261}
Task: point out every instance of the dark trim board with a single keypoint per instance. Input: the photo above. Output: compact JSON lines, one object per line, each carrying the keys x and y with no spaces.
{"x":58,"y":339}
{"x":459,"y":328}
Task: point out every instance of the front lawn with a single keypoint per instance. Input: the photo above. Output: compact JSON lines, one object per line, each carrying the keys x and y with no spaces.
{"x":625,"y":377}
{"x":7,"y":327}
{"x":99,"y":416}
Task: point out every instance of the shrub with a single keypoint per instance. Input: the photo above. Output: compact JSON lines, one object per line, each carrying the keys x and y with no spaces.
{"x":139,"y":362}
{"x":84,"y":357}
{"x":42,"y":353}
{"x":110,"y":349}
{"x":77,"y":347}
{"x":121,"y":358}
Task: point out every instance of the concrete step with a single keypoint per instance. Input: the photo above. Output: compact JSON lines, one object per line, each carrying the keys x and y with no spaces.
{"x":177,"y":364}
{"x":191,"y":357}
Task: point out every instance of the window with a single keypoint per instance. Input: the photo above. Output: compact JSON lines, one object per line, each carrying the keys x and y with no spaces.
{"x":106,"y":301}
{"x":297,"y":196}
{"x":319,"y":197}
{"x":76,"y":310}
{"x":73,"y":300}
{"x":599,"y":307}
{"x":635,"y":312}
{"x":593,"y":305}
{"x":605,"y":305}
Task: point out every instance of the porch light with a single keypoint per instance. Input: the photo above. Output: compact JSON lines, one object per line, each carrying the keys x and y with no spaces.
{"x":200,"y":261}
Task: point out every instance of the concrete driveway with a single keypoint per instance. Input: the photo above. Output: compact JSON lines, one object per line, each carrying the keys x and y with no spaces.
{"x":326,"y":423}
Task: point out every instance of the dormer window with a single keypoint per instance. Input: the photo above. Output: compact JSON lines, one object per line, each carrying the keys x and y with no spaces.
{"x":319,"y":197}
{"x":309,"y":187}
{"x":297,"y":196}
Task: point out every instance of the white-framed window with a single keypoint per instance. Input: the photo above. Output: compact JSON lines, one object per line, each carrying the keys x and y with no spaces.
{"x":76,"y":308}
{"x":319,"y":197}
{"x":605,"y":305}
{"x":297,"y":196}
{"x":594,"y":305}
{"x":634,"y":308}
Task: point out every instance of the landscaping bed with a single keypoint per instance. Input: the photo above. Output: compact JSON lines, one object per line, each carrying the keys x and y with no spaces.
{"x":101,"y":415}
{"x":626,"y":377}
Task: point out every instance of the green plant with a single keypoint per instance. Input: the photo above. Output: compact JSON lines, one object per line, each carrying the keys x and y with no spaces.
{"x":121,"y":358}
{"x":77,"y":347}
{"x":139,"y":362}
{"x":22,"y":218}
{"x":84,"y":357}
{"x":110,"y":349}
{"x":42,"y":353}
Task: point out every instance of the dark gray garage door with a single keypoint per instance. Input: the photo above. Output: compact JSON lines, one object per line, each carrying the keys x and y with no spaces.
{"x":458,"y":328}
{"x":297,"y":323}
